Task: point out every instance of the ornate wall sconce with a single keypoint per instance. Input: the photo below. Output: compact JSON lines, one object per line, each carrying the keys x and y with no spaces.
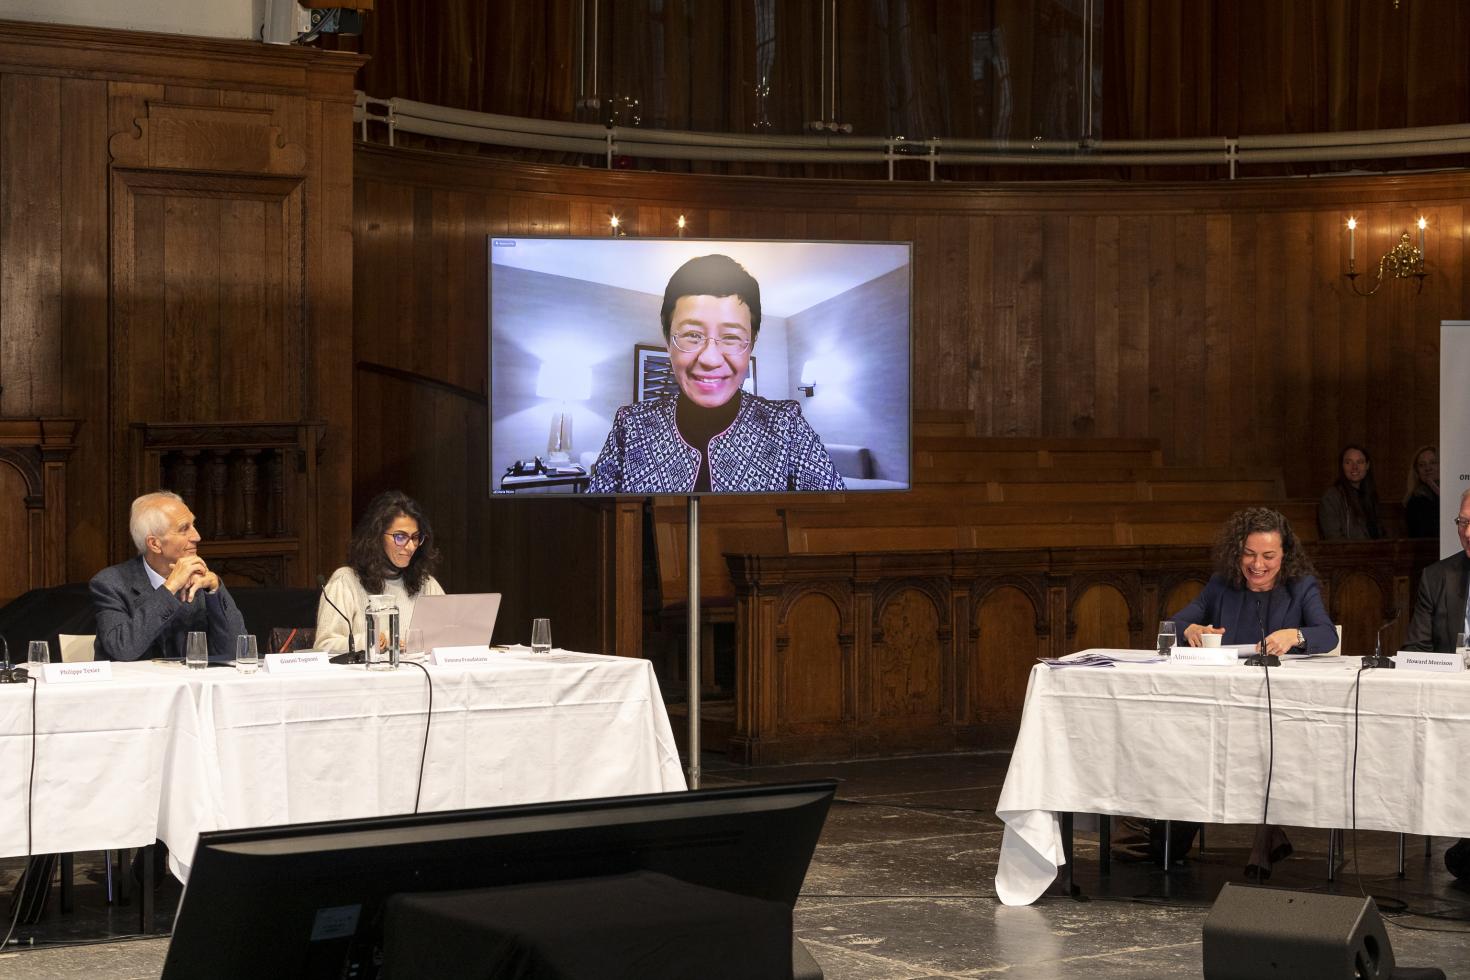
{"x":1404,"y":261}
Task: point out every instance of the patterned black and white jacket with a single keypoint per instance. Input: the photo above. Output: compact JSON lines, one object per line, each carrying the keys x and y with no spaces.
{"x":769,"y":447}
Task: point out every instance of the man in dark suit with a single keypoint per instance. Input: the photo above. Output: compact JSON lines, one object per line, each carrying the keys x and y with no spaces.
{"x":1439,"y":614}
{"x":148,"y":604}
{"x":1439,"y":607}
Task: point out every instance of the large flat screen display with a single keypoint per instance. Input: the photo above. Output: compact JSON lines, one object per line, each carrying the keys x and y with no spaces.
{"x":683,"y":366}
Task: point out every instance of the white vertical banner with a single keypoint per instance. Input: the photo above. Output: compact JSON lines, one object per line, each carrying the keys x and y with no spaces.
{"x":1454,"y":427}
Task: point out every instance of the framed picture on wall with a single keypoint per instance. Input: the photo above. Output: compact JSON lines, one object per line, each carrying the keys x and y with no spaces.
{"x":653,"y":374}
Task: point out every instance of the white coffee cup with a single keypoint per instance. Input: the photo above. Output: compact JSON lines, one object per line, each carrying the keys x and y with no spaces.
{"x":1209,"y":639}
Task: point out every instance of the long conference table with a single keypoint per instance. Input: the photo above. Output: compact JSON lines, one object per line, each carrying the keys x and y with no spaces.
{"x":162,"y":751}
{"x":1183,"y":742}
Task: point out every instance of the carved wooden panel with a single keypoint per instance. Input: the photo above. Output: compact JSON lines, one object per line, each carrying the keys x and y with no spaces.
{"x":1101,"y":618}
{"x":16,"y":574}
{"x":200,"y":137}
{"x":1181,"y":595}
{"x":811,"y":675}
{"x":1007,"y":647}
{"x":1360,"y":604}
{"x":908,"y":652}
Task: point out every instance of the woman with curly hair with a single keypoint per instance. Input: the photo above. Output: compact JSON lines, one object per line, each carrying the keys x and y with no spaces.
{"x":1264,"y":593}
{"x":1264,"y":590}
{"x":392,"y":553}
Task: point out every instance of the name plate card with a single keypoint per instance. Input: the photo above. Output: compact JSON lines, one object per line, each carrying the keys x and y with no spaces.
{"x":1448,"y":663}
{"x":287,"y":663}
{"x":91,"y":670}
{"x":461,"y":656}
{"x":1205,"y":656}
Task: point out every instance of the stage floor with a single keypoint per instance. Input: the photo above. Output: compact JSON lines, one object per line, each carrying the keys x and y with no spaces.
{"x":901,"y":889}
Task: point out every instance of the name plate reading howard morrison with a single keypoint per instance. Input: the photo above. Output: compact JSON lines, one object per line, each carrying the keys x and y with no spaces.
{"x":461,"y":656}
{"x":1205,"y":656}
{"x":1445,"y":663}
{"x":92,"y":670}
{"x":287,"y":663}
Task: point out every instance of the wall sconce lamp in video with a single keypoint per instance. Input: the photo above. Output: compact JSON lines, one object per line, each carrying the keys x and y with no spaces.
{"x":808,"y":383}
{"x":566,"y":383}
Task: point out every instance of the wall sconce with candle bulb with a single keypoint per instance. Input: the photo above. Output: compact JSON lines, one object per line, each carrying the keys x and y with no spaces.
{"x":807,"y":384}
{"x":1404,"y":261}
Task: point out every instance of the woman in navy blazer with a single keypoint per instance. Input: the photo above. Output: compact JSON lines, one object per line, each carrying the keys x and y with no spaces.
{"x":1264,"y":586}
{"x":1264,"y":589}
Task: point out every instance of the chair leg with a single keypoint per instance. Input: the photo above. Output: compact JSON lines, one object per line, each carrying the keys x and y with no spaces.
{"x":1201,"y":838}
{"x":1104,"y":844}
{"x":1332,"y":855}
{"x":1401,"y":855}
{"x":1168,"y":826}
{"x":68,"y":867}
{"x":107,"y":862}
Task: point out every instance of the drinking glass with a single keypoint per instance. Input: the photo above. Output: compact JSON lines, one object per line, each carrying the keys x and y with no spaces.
{"x":541,"y":636}
{"x":1167,"y":636}
{"x":413,"y":644}
{"x":38,"y":655}
{"x":247,"y":654}
{"x":196,"y":651}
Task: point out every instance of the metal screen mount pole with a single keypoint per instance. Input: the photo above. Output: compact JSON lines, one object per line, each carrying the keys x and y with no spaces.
{"x":693,"y":641}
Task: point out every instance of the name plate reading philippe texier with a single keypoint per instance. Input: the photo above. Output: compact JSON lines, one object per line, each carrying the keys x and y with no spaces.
{"x":461,"y":656}
{"x":1445,"y":663}
{"x":289,"y":663}
{"x":90,"y":670}
{"x":1205,"y":656}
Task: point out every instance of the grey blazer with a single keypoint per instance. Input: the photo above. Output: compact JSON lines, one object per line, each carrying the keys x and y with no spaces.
{"x":135,"y":621}
{"x":1439,"y":606}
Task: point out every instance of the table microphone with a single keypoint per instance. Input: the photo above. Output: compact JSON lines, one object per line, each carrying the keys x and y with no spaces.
{"x":1262,"y":659}
{"x":1378,"y":660}
{"x":9,"y":674}
{"x":351,"y":656}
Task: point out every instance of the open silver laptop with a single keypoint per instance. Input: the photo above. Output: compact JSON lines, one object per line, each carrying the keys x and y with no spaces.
{"x":462,"y":620}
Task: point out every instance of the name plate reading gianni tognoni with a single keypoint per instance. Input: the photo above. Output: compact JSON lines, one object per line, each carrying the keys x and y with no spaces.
{"x":1444,"y":663}
{"x":92,"y":670}
{"x":289,"y":663}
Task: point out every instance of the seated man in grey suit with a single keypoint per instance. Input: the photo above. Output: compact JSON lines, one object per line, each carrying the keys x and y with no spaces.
{"x":1439,"y":613}
{"x":148,"y":604}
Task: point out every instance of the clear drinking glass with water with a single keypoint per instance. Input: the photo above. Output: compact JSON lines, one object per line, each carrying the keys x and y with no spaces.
{"x":38,"y":655}
{"x":382,"y":647}
{"x":247,"y":654}
{"x":541,"y":636}
{"x":196,"y":651}
{"x":1167,"y":637}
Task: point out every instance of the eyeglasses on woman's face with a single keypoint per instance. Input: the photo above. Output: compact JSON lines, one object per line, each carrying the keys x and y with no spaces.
{"x":403,"y":539}
{"x":694,"y":341}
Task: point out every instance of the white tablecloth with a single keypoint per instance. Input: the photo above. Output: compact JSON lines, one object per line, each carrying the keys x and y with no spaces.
{"x":1191,"y":743}
{"x":110,"y":757}
{"x":189,"y":751}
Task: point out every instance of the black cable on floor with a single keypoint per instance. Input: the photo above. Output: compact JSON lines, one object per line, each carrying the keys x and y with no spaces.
{"x":1357,"y":868}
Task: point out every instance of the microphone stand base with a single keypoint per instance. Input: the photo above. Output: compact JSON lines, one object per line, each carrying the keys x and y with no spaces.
{"x":1262,"y":660}
{"x":346,"y":658}
{"x":1380,"y":663}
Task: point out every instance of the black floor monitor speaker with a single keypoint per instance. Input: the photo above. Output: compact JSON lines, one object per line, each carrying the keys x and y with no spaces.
{"x":1252,"y":933}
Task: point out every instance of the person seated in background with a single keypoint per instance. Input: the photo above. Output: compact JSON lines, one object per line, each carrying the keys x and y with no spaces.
{"x":392,"y":553}
{"x":1421,"y":500}
{"x":1264,"y":592}
{"x":1441,"y":613}
{"x":710,"y":436}
{"x":147,"y":605}
{"x":1349,"y":508}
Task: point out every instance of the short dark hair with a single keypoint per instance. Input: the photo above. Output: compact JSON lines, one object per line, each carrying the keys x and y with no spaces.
{"x":1230,"y":545}
{"x":366,"y":555}
{"x":713,"y":275}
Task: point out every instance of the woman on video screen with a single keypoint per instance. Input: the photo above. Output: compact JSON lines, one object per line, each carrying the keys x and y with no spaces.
{"x":710,"y":436}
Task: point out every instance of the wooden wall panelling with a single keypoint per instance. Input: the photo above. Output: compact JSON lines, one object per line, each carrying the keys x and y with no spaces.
{"x":34,"y":456}
{"x":74,"y":101}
